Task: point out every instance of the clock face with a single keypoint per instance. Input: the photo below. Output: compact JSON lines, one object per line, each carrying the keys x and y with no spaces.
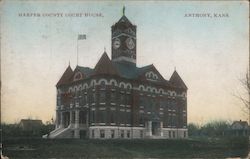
{"x":116,"y":43}
{"x":130,"y":43}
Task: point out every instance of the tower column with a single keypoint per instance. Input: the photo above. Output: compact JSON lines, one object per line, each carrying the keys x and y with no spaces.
{"x":161,"y":128}
{"x":61,"y":120}
{"x":149,"y":129}
{"x":77,"y":131}
{"x":57,"y":120}
{"x":70,"y":118}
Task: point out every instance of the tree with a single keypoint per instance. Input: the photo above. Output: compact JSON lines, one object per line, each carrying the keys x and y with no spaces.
{"x":193,"y":129}
{"x":245,"y":97}
{"x":215,"y":128}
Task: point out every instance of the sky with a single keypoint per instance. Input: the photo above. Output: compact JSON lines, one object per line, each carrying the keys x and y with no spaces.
{"x":209,"y":53}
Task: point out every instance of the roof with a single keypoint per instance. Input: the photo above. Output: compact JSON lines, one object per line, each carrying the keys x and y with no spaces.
{"x":122,"y":69}
{"x":31,"y":121}
{"x":85,"y":70}
{"x":239,"y":125}
{"x":65,"y":77}
{"x":29,"y":124}
{"x":126,"y":70}
{"x":176,"y":80}
{"x":105,"y":66}
{"x":123,"y":23}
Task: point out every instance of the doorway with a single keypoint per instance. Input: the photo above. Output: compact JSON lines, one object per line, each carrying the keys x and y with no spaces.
{"x":155,"y":128}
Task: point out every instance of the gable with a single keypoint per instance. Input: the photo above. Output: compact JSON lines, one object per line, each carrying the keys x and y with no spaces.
{"x":105,"y":66}
{"x":239,"y":125}
{"x":150,"y":73}
{"x":176,"y":81}
{"x":65,"y":77}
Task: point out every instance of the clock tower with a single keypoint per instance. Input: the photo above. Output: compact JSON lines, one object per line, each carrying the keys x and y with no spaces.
{"x":124,"y":40}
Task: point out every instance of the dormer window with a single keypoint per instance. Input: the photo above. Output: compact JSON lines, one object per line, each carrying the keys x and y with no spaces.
{"x":151,"y":76}
{"x":78,"y":76}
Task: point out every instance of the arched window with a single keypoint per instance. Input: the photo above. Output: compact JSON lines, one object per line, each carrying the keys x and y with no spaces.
{"x":141,"y":89}
{"x":102,"y":97}
{"x":141,"y":120}
{"x":102,"y":85}
{"x":112,"y":97}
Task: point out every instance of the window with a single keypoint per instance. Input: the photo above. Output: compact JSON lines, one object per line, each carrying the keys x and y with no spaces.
{"x":85,"y":99}
{"x":169,"y":134}
{"x":113,"y":97}
{"x":128,"y":117}
{"x":141,"y":101}
{"x":94,"y":98}
{"x":141,"y":120}
{"x":113,"y":86}
{"x":82,"y":117}
{"x":58,"y":101}
{"x":185,"y":134}
{"x":102,"y":85}
{"x":169,"y":120}
{"x":93,"y":133}
{"x":102,"y":97}
{"x":122,"y":133}
{"x":102,"y":133}
{"x":81,"y":101}
{"x":128,"y":100}
{"x":122,"y":99}
{"x":92,"y":116}
{"x":128,"y":134}
{"x":112,"y":117}
{"x":173,"y":134}
{"x":102,"y":116}
{"x":141,"y":133}
{"x":174,"y":120}
{"x":112,"y":134}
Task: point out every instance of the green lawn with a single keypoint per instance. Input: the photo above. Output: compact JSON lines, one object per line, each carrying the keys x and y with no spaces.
{"x":73,"y":148}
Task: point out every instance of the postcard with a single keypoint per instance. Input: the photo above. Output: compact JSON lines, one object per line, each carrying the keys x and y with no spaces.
{"x":124,"y":79}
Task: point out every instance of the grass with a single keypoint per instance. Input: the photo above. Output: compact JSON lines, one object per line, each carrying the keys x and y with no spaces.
{"x":76,"y":148}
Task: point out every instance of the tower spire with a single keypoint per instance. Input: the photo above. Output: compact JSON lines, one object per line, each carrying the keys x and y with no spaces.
{"x":123,"y":10}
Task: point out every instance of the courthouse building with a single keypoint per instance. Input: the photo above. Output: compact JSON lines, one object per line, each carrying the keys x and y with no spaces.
{"x":117,"y":99}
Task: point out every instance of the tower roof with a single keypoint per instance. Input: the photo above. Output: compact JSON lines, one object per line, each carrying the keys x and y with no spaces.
{"x":65,"y":77}
{"x":123,"y":21}
{"x":176,"y":80}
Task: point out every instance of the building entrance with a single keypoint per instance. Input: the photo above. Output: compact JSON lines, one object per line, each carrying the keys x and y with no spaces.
{"x":156,"y":128}
{"x":66,"y":116}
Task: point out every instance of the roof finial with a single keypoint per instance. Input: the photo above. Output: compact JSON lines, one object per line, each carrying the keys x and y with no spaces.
{"x":104,"y":49}
{"x":69,"y":62}
{"x":123,"y":10}
{"x":175,"y":68}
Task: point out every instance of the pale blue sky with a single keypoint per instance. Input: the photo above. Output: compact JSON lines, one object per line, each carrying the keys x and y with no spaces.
{"x":210,"y":54}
